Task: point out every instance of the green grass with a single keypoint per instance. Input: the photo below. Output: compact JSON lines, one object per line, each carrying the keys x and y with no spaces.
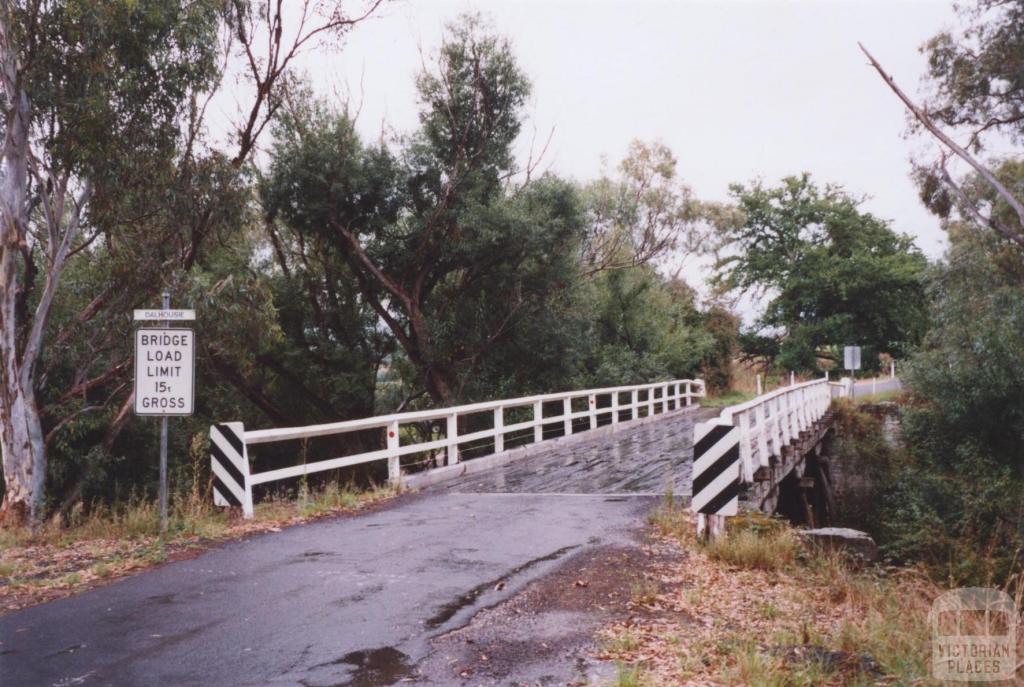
{"x":727,"y":398}
{"x":754,"y":666}
{"x":629,"y":676}
{"x":883,"y":612}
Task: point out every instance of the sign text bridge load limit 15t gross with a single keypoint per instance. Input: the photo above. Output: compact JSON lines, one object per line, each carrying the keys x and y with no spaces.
{"x":164,"y":371}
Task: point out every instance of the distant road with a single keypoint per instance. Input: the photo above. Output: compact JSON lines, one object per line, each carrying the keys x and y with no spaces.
{"x":867,"y":387}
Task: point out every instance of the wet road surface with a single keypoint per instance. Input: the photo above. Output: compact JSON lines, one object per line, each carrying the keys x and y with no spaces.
{"x":640,"y":459}
{"x":361,"y":600}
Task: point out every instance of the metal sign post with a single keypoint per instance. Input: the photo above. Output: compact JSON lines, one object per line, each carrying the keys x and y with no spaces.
{"x":851,"y":361}
{"x":164,"y":376}
{"x":163,"y":443}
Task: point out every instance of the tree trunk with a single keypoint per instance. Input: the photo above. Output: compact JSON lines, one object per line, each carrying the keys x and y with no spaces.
{"x":23,"y":491}
{"x":439,"y":386}
{"x":16,"y":411}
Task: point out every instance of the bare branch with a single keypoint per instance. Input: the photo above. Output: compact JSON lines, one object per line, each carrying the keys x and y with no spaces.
{"x":960,"y":152}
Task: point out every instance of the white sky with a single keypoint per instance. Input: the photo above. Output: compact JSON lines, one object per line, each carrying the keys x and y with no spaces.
{"x":737,"y":90}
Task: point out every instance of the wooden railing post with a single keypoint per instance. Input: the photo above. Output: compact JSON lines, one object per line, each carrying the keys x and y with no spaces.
{"x":762,"y":436}
{"x":794,"y":416}
{"x":394,"y":460}
{"x":499,"y":429}
{"x":538,"y":418}
{"x":452,"y":436}
{"x":689,"y":397}
{"x":229,"y":463}
{"x":783,"y":422}
{"x":592,"y":409}
{"x":746,"y":457}
{"x":664,"y":399}
{"x":567,"y":412}
{"x":635,"y":404}
{"x":615,"y":407}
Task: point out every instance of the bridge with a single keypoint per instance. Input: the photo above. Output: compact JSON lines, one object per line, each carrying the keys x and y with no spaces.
{"x":478,"y":576}
{"x":577,"y":442}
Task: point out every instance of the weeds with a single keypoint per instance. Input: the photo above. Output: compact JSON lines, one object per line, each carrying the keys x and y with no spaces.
{"x":773,"y":614}
{"x":754,"y":550}
{"x":671,"y":519}
{"x":629,"y":676}
{"x":644,"y":592}
{"x":623,"y":643}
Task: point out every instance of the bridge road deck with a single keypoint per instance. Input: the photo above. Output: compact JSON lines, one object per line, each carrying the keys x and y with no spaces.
{"x":638,"y":459}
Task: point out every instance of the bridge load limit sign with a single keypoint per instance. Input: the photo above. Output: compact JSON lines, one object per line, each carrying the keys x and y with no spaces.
{"x":164,"y":371}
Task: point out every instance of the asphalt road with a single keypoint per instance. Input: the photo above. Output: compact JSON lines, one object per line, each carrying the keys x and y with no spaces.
{"x":866,"y":388}
{"x":355,"y":601}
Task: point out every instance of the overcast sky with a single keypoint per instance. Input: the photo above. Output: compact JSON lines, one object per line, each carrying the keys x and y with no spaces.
{"x":737,"y":90}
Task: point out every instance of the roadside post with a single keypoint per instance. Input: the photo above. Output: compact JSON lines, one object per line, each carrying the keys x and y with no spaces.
{"x":164,"y":376}
{"x":851,"y":361}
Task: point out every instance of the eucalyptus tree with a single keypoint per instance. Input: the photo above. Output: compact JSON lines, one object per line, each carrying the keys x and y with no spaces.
{"x":91,"y":98}
{"x":104,"y":155}
{"x":446,"y":250}
{"x":640,"y":216}
{"x":974,"y":91}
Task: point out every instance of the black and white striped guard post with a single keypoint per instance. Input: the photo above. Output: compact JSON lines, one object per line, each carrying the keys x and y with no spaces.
{"x":716,"y":469}
{"x":229,"y":462}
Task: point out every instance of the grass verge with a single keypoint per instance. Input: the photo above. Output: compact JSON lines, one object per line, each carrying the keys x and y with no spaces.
{"x":758,"y":609}
{"x":56,"y":560}
{"x":880,"y":397}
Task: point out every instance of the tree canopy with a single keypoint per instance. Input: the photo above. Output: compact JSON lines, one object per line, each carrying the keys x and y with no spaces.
{"x":825,"y":272}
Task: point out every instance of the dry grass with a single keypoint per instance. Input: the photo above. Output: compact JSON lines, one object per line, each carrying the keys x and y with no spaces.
{"x":744,"y":377}
{"x":56,"y":560}
{"x":756,"y":551}
{"x":756,"y":609}
{"x":880,"y":397}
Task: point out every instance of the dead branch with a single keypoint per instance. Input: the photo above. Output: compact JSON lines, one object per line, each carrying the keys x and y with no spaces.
{"x":960,"y":152}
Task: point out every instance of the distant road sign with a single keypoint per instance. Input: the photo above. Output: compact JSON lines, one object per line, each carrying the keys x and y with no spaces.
{"x":164,"y":371}
{"x":165,"y":314}
{"x":851,"y":358}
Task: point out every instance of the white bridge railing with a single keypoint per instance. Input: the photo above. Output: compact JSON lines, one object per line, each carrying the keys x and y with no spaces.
{"x":729,"y":449}
{"x":230,"y":442}
{"x":772,"y":420}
